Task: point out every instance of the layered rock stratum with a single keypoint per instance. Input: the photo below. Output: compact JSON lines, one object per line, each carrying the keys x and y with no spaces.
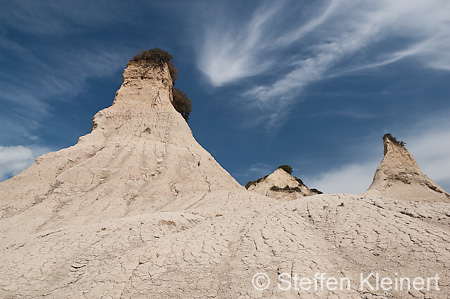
{"x":138,"y":209}
{"x":281,"y":185}
{"x":399,"y":176}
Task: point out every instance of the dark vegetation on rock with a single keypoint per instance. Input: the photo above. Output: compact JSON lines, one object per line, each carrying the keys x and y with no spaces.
{"x":286,"y":189}
{"x":316,"y":191}
{"x":255,"y":182}
{"x":286,"y":168}
{"x":393,"y":139}
{"x":299,"y":180}
{"x":158,"y":57}
{"x":292,"y":189}
{"x":182,"y":103}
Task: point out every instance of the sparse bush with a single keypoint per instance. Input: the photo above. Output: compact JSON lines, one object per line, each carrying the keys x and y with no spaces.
{"x":182,"y":103}
{"x":393,"y":139}
{"x":274,"y":188}
{"x":286,"y":189}
{"x":299,"y":181}
{"x":286,"y":168}
{"x":316,"y":191}
{"x":158,"y":57}
{"x":173,"y":72}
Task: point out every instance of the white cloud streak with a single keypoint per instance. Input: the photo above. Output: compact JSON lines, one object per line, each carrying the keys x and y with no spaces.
{"x":228,"y":55}
{"x":352,"y":178}
{"x":431,"y":149}
{"x":14,"y":159}
{"x":309,"y":51}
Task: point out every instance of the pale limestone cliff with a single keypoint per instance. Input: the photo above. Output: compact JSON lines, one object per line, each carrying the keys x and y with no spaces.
{"x":140,"y":155}
{"x":399,"y":177}
{"x":281,"y":185}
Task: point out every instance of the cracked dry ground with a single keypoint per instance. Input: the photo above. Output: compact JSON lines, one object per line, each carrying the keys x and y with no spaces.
{"x":210,"y":246}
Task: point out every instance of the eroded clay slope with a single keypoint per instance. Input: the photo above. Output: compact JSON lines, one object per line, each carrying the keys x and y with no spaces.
{"x":214,"y":244}
{"x":140,"y":156}
{"x":137,"y":209}
{"x":399,"y":177}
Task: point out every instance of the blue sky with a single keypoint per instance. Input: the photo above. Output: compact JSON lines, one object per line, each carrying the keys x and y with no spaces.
{"x":312,"y":84}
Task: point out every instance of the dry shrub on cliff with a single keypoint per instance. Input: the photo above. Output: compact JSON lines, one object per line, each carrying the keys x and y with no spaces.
{"x":393,"y":139}
{"x":158,"y":57}
{"x":182,"y":103}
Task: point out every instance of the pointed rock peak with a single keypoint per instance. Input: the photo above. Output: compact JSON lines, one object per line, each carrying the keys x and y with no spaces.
{"x":392,"y":144}
{"x":153,"y":74}
{"x":400,"y":177}
{"x":140,"y":155}
{"x":147,"y":90}
{"x":281,"y":185}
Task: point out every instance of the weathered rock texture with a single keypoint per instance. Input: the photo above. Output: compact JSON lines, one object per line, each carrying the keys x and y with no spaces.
{"x":137,"y":209}
{"x":399,"y":177}
{"x":281,"y":185}
{"x":140,"y":154}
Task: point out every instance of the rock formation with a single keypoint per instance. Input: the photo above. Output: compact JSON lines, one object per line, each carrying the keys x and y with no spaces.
{"x":137,"y":209}
{"x":281,"y":185}
{"x":399,"y":176}
{"x":140,"y":154}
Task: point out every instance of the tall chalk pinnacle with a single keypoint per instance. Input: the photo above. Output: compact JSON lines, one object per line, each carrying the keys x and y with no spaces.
{"x":399,"y":176}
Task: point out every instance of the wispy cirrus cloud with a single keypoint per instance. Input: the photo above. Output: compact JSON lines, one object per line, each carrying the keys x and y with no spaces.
{"x":322,"y":43}
{"x":44,"y":83}
{"x":233,"y":53}
{"x":40,"y":74}
{"x":248,"y":48}
{"x":61,"y":17}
